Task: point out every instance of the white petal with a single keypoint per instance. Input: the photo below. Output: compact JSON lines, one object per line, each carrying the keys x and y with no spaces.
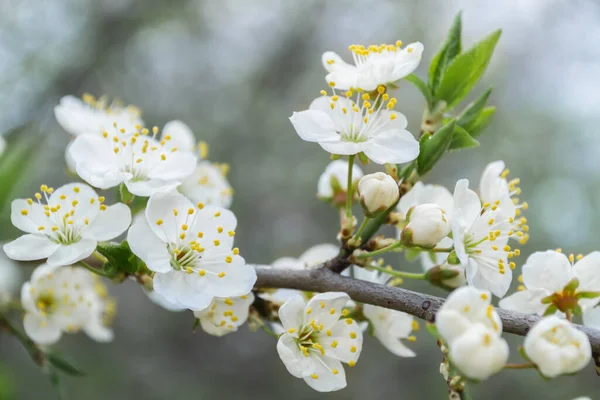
{"x":215,"y":223}
{"x":491,"y":186}
{"x":30,"y":247}
{"x":182,"y":136}
{"x":333,"y":62}
{"x":484,"y":277}
{"x":291,"y":313}
{"x":183,"y":289}
{"x":149,"y":187}
{"x":160,"y":207}
{"x":96,"y":330}
{"x":526,"y":301}
{"x":32,"y":221}
{"x":146,"y":245}
{"x":238,"y":280}
{"x":319,"y":254}
{"x":348,"y":338}
{"x":320,"y":308}
{"x":40,"y":330}
{"x":293,"y":359}
{"x":313,"y":125}
{"x":70,"y":254}
{"x":162,"y":302}
{"x":337,"y":146}
{"x":591,"y":317}
{"x":344,"y":78}
{"x":467,"y":205}
{"x":392,"y":146}
{"x":548,"y":270}
{"x":587,"y":270}
{"x":479,"y":352}
{"x":109,"y":223}
{"x":326,"y":380}
{"x":177,"y":166}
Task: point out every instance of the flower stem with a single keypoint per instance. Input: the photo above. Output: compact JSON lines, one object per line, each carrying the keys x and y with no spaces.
{"x":398,"y":274}
{"x":569,"y":315}
{"x":442,"y":250}
{"x":349,"y":191}
{"x":519,"y":366}
{"x":361,"y":228}
{"x":99,"y":256}
{"x":94,"y":270}
{"x":380,"y":251}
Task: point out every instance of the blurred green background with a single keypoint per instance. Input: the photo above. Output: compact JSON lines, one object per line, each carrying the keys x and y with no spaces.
{"x":234,"y":71}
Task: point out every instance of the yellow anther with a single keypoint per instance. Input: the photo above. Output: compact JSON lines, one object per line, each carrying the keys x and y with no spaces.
{"x":331,"y":84}
{"x":512,"y":265}
{"x":314,"y":376}
{"x":491,"y":221}
{"x":353,"y":349}
{"x":200,"y":205}
{"x":345,"y":312}
{"x":291,"y":330}
{"x":571,"y":258}
{"x":24,"y":212}
{"x":334,"y":344}
{"x":202,"y":272}
{"x":324,"y":93}
{"x":217,"y":214}
{"x":579,"y":257}
{"x":328,"y":332}
{"x":351,"y":363}
{"x":200,"y":235}
{"x":349,"y":321}
{"x":415,"y":325}
{"x":159,"y":222}
{"x":352,"y":335}
{"x":228,"y":259}
{"x":236,"y":251}
{"x":308,"y":310}
{"x":412,"y":338}
{"x":221,"y":274}
{"x":216,"y":242}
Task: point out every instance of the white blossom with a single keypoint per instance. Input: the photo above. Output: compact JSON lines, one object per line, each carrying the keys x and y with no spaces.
{"x":94,"y":116}
{"x":208,"y":184}
{"x":312,"y":257}
{"x":427,"y":225}
{"x":430,"y":260}
{"x":316,"y":341}
{"x":479,"y":352}
{"x":373,"y":65}
{"x":377,"y":192}
{"x":546,"y":273}
{"x":180,"y":136}
{"x":67,"y":228}
{"x":65,"y":299}
{"x":480,"y":235}
{"x":140,"y":161}
{"x":225,"y":315}
{"x":190,"y":249}
{"x":333,"y":182}
{"x":10,"y":278}
{"x":556,"y":347}
{"x":344,"y":126}
{"x":472,"y":328}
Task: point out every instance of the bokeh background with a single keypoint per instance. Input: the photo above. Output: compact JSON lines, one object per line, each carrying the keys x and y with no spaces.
{"x":235,"y":70}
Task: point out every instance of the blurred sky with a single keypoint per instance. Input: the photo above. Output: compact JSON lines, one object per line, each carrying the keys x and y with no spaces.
{"x":235,"y":71}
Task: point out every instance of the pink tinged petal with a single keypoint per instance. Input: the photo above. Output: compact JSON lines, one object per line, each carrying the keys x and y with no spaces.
{"x":146,"y":245}
{"x":587,"y":270}
{"x":109,"y":223}
{"x":314,"y":126}
{"x":182,"y":136}
{"x":392,"y":146}
{"x":160,"y":208}
{"x":487,"y":278}
{"x":33,"y":220}
{"x":183,"y":289}
{"x":329,"y":375}
{"x":526,"y":301}
{"x":291,"y":313}
{"x":30,"y":247}
{"x":548,"y":270}
{"x":70,"y":254}
{"x":320,"y":308}
{"x":295,"y":362}
{"x":344,"y":343}
{"x":41,"y":330}
{"x":178,"y":165}
{"x":149,"y":187}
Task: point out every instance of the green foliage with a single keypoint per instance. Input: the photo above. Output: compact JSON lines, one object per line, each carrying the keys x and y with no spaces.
{"x":473,"y":110}
{"x":58,"y":361}
{"x":433,"y":147}
{"x":466,"y":70}
{"x":481,"y":122}
{"x":422,"y":86}
{"x":120,"y":258}
{"x":125,"y":196}
{"x":462,"y":140}
{"x":450,"y":49}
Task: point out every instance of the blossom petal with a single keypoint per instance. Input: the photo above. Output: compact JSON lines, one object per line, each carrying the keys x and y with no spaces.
{"x":33,"y":218}
{"x":337,"y":146}
{"x":319,"y":254}
{"x":485,"y":277}
{"x":527,"y":301}
{"x":548,"y":270}
{"x":71,"y":253}
{"x":146,"y":245}
{"x":41,"y":330}
{"x":30,"y":247}
{"x":591,"y":317}
{"x":213,"y":223}
{"x":109,"y":223}
{"x":183,"y":289}
{"x":344,"y":78}
{"x":326,"y":308}
{"x":291,"y":313}
{"x":149,"y":187}
{"x":395,"y":146}
{"x":329,"y":375}
{"x":333,"y":62}
{"x":161,"y":215}
{"x":238,"y":278}
{"x":587,"y":270}
{"x":467,"y":205}
{"x":313,"y":125}
{"x":343,"y":341}
{"x":96,"y":330}
{"x":182,"y":136}
{"x":293,"y":359}
{"x":178,"y":165}
{"x":479,"y":352}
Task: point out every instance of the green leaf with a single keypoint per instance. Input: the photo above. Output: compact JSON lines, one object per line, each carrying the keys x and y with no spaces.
{"x":466,"y":69}
{"x":481,"y":122}
{"x":422,"y":86}
{"x":472,"y":111}
{"x":587,"y":295}
{"x":363,"y":158}
{"x":120,"y":258}
{"x":125,"y":196}
{"x":450,"y":49}
{"x":433,"y":147}
{"x":58,"y":362}
{"x":462,"y":140}
{"x":550,"y":310}
{"x":432,"y":329}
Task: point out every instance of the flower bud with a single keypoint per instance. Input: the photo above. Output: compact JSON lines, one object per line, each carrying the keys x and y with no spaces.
{"x":427,"y":225}
{"x":378,"y":192}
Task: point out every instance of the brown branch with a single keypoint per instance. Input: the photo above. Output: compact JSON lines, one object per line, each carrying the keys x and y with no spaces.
{"x":420,"y":305}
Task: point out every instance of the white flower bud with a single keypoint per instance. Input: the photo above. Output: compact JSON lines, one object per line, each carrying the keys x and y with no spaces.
{"x":378,"y":192}
{"x":427,"y":225}
{"x":556,"y":347}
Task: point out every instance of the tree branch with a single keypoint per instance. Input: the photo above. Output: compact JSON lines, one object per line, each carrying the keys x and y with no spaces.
{"x":420,"y":305}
